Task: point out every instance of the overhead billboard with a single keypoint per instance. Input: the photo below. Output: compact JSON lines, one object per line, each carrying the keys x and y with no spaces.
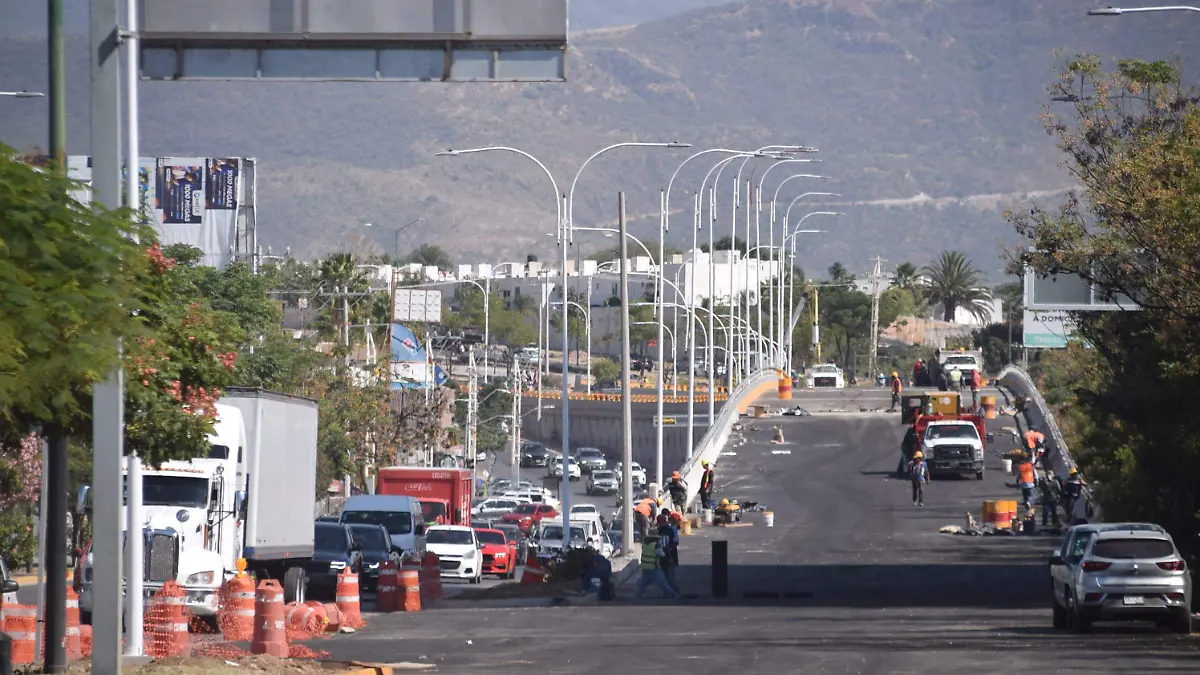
{"x":354,"y":40}
{"x":204,"y":202}
{"x":417,"y":305}
{"x":1047,"y":329}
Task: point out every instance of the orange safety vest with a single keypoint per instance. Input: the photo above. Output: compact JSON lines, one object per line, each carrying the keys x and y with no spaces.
{"x":896,"y":385}
{"x":1032,"y":438}
{"x":1026,"y":472}
{"x":645,"y":507}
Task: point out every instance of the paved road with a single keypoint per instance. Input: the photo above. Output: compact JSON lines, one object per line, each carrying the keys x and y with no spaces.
{"x":869,"y":585}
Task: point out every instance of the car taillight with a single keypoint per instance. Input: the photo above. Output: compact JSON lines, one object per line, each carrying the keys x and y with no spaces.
{"x":1173,"y":566}
{"x":1093,"y":597}
{"x":1095,"y":566}
{"x":1175,"y":597}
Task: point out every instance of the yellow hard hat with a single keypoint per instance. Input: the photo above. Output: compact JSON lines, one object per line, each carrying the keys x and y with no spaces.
{"x":918,"y":454}
{"x":660,"y":501}
{"x":704,"y":462}
{"x":725,"y":501}
{"x":1074,"y":471}
{"x":895,"y":374}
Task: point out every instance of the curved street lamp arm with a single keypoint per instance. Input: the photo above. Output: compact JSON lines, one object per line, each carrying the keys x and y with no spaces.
{"x":535,"y":160}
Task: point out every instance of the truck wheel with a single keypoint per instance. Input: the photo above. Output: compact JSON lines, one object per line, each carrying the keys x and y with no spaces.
{"x":295,"y":585}
{"x":978,"y":475}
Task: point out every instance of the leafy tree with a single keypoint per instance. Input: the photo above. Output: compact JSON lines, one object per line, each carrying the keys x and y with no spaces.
{"x":906,"y":277}
{"x":605,"y":370}
{"x":68,"y":278}
{"x":954,"y":282}
{"x":1130,"y":143}
{"x":430,"y":254}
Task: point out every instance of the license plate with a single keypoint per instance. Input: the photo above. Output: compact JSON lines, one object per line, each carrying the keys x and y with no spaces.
{"x":1133,"y":600}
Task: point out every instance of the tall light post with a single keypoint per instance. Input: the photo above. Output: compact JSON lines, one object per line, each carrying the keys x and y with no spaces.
{"x":778,"y":330}
{"x":792,"y":272}
{"x":1118,"y":11}
{"x":566,"y":240}
{"x":758,"y":234}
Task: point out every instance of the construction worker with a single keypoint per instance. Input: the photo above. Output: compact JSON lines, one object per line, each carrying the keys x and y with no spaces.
{"x":650,"y":564}
{"x":669,"y":534}
{"x":1034,"y":440}
{"x":677,"y":488}
{"x":955,"y":376}
{"x":976,"y":383}
{"x":1050,"y":498}
{"x":918,"y":473}
{"x":1072,"y":490}
{"x":1027,"y":479}
{"x":916,"y":379}
{"x":897,"y":387}
{"x":642,"y":514}
{"x":706,"y":486}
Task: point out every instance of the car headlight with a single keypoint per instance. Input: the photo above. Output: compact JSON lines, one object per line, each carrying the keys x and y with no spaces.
{"x":373,"y":566}
{"x":200,"y":578}
{"x":337,"y":565}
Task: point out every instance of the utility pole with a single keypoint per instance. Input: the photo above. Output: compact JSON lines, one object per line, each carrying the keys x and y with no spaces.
{"x":472,"y":412}
{"x":58,"y":86}
{"x":877,"y":278}
{"x":627,"y":394}
{"x":515,"y":459}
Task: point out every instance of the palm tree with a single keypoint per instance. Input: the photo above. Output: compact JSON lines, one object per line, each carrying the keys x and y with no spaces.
{"x":953,"y":283}
{"x":906,"y":276}
{"x":340,"y":271}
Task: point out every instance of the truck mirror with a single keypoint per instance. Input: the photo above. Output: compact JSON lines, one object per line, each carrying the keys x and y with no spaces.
{"x":11,"y":586}
{"x":83,"y":502}
{"x":420,"y":530}
{"x":239,"y":502}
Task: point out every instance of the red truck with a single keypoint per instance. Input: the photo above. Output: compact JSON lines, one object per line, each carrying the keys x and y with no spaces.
{"x":445,"y":494}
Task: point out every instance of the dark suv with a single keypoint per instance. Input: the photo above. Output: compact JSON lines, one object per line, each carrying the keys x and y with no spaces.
{"x":334,"y":550}
{"x":534,"y":454}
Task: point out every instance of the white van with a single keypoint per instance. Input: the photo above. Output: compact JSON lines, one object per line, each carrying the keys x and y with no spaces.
{"x":399,"y":515}
{"x":529,"y":355}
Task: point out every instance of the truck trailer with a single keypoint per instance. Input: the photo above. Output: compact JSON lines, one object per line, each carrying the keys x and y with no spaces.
{"x":250,"y":498}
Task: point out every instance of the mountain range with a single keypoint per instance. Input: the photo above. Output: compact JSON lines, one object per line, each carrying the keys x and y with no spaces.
{"x":925,"y":113}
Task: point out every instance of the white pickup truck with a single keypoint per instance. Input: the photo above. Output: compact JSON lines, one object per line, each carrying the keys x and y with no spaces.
{"x":953,"y":446}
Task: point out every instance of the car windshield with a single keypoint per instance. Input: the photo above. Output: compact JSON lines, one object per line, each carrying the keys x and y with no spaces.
{"x":590,"y":453}
{"x":961,"y":360}
{"x":603,"y":475}
{"x":330,"y":538}
{"x":526,"y":508}
{"x":490,"y":537}
{"x":1129,"y":549}
{"x":370,"y":538}
{"x":395,"y":522}
{"x":433,"y":511}
{"x":583,"y":508}
{"x":952,"y":431}
{"x":555,"y":532}
{"x":829,"y":370}
{"x":436,"y":536}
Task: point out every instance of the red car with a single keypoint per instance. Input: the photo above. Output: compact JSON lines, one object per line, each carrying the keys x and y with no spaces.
{"x":528,"y":515}
{"x":499,"y":553}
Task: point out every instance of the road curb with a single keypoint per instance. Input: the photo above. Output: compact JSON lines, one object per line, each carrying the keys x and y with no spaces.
{"x":519,"y":603}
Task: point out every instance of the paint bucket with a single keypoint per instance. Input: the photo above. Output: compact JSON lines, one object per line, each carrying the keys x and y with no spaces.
{"x":1007,"y":465}
{"x":769,"y":518}
{"x":708,"y":516}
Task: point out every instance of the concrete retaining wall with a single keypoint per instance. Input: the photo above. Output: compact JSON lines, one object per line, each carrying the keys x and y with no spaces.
{"x":1058,"y":456}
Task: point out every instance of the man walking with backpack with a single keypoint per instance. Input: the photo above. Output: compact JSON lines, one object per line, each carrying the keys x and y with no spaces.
{"x":918,"y":473}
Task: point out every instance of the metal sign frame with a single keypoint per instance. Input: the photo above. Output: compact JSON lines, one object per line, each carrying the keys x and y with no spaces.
{"x":354,"y":40}
{"x":416,"y":305}
{"x":1059,"y":295}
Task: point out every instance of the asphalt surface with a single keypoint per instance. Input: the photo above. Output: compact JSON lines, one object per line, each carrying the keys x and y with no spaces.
{"x":851,"y":579}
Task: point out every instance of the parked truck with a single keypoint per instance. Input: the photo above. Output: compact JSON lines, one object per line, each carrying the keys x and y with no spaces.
{"x":445,"y":494}
{"x":250,"y":498}
{"x":961,"y":360}
{"x":952,"y":443}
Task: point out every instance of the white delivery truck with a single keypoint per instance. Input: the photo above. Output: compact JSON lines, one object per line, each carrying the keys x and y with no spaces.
{"x":251,"y":497}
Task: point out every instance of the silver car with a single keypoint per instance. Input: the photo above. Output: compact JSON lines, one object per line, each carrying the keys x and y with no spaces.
{"x":602,"y":481}
{"x":591,"y":459}
{"x":1120,"y":572}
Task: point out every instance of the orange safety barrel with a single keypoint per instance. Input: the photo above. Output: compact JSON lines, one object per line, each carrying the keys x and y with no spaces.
{"x":989,"y":407}
{"x":270,"y":633}
{"x":433,"y":575}
{"x":410,"y":581}
{"x":785,"y":388}
{"x":20,"y":622}
{"x":71,"y":638}
{"x":532,"y":573}
{"x":235,"y":614}
{"x":301,"y":621}
{"x":386,"y":598}
{"x":167,"y":623}
{"x":348,"y":600}
{"x":333,"y":617}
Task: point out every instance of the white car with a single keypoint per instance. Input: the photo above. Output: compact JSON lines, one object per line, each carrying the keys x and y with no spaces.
{"x":532,"y":496}
{"x":555,"y":468}
{"x":635,"y":470}
{"x":580,"y":510}
{"x":494,"y":507}
{"x":824,"y":376}
{"x":459,"y":551}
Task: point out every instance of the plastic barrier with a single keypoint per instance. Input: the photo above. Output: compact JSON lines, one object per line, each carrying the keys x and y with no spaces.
{"x":532,"y":573}
{"x":387,"y":597}
{"x":348,"y":600}
{"x":71,"y":638}
{"x":433,"y":566}
{"x":235,"y":612}
{"x":785,"y":388}
{"x":410,"y":580}
{"x":166,"y":623}
{"x":20,"y":621}
{"x":270,"y":634}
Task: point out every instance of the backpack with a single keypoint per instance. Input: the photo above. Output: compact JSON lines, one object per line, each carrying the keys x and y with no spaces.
{"x":916,"y":470}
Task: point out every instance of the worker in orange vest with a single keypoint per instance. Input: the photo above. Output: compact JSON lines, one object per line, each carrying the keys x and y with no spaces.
{"x":1027,"y":478}
{"x":897,"y":387}
{"x":1034,"y":442}
{"x":643,"y":512}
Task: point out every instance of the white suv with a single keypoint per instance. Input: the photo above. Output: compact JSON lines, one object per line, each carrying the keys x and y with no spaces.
{"x":555,"y":468}
{"x":459,"y":550}
{"x":1120,"y":572}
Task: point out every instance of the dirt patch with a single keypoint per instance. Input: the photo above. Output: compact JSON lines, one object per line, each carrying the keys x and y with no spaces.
{"x":249,"y":665}
{"x":517,"y":590}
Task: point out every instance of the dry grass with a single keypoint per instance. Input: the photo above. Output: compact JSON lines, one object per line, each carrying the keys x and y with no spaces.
{"x":256,"y":665}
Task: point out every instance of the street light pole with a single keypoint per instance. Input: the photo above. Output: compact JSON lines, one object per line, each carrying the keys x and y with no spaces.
{"x":1118,"y":11}
{"x":792,"y":267}
{"x":783,"y":250}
